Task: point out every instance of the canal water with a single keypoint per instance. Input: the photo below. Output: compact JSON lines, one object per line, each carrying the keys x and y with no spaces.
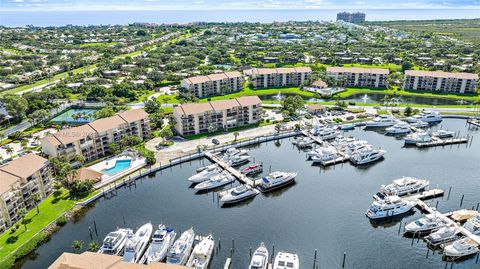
{"x":377,"y":98}
{"x":324,"y":210}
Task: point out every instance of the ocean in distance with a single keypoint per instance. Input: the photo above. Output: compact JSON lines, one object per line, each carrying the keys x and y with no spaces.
{"x":60,"y":18}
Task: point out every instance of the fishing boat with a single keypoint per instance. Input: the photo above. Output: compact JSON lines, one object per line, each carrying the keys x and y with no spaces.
{"x":217,"y":181}
{"x":366,"y":156}
{"x":444,"y":234}
{"x":208,"y":172}
{"x":137,"y":243}
{"x":276,"y":180}
{"x":443,"y":134}
{"x":162,"y":239}
{"x":238,"y":194}
{"x":252,"y":169}
{"x":426,"y":224}
{"x":259,"y":258}
{"x":202,"y":253}
{"x":180,"y":250}
{"x":285,"y":260}
{"x":389,"y":207}
{"x":461,"y":248}
{"x":114,"y":242}
{"x":381,"y":121}
{"x":405,"y":185}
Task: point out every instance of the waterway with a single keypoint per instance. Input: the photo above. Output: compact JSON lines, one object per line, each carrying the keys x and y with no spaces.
{"x":324,"y":210}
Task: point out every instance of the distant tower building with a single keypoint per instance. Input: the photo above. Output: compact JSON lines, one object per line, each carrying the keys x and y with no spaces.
{"x":357,"y":17}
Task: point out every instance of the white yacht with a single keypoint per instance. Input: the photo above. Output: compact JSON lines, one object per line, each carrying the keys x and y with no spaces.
{"x":461,"y":248}
{"x":202,"y":253}
{"x":426,"y":116}
{"x":443,"y":134}
{"x":230,"y":152}
{"x":420,"y":124}
{"x":473,"y":225}
{"x":238,"y":194}
{"x":443,"y":234}
{"x":367,"y":156}
{"x":327,"y":154}
{"x":114,"y":242}
{"x":304,"y":143}
{"x":389,"y":207}
{"x":137,"y":243}
{"x":180,"y":250}
{"x":285,"y":260}
{"x":426,"y":224}
{"x":259,"y":258}
{"x":399,"y":128}
{"x":162,"y":239}
{"x":237,"y":160}
{"x":276,"y":180}
{"x":208,"y":172}
{"x":420,"y":137}
{"x":381,"y":121}
{"x":327,"y":134}
{"x":354,"y":146}
{"x":217,"y":181}
{"x":404,"y":185}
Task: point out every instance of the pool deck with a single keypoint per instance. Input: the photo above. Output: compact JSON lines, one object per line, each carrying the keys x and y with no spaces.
{"x":136,"y":164}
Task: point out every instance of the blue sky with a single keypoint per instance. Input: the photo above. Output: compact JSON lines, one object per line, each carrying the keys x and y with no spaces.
{"x":51,"y":5}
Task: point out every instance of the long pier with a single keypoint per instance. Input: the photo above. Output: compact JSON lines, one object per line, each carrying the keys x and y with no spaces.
{"x":234,"y":172}
{"x":443,"y":142}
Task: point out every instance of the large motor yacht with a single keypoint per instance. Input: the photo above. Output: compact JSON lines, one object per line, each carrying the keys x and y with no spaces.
{"x":205,"y":174}
{"x":426,"y":224}
{"x":426,"y":116}
{"x":367,"y":156}
{"x":259,"y":258}
{"x":389,"y":207}
{"x":285,"y":260}
{"x":381,"y":121}
{"x":473,"y":225}
{"x":137,"y":243}
{"x":114,"y":242}
{"x":420,"y":137}
{"x":398,"y":129}
{"x":327,"y":154}
{"x":162,"y":239}
{"x":276,"y":180}
{"x":202,"y":253}
{"x":238,"y":194}
{"x":327,"y":134}
{"x":180,"y":250}
{"x":217,"y":181}
{"x":405,"y":185}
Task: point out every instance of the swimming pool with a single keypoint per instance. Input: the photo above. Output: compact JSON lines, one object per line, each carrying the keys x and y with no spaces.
{"x":120,"y":165}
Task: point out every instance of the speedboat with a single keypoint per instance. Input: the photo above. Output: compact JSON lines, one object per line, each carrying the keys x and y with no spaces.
{"x":405,"y":185}
{"x":443,"y":234}
{"x":252,"y":169}
{"x":216,"y":181}
{"x":239,"y":193}
{"x":202,"y":253}
{"x":367,"y":156}
{"x":114,"y":242}
{"x":327,"y":154}
{"x":137,"y":243}
{"x":162,"y":239}
{"x":304,"y":143}
{"x":443,"y":134}
{"x":233,"y":152}
{"x":461,"y":248}
{"x":381,"y":121}
{"x":180,"y":250}
{"x":276,"y":180}
{"x":347,"y":127}
{"x":420,"y":137}
{"x":473,"y":225}
{"x":429,"y":223}
{"x":389,"y":207}
{"x":327,"y":134}
{"x":426,"y":116}
{"x":285,"y":260}
{"x":237,"y":160}
{"x":399,"y":128}
{"x":259,"y":258}
{"x":208,"y":172}
{"x":420,"y":124}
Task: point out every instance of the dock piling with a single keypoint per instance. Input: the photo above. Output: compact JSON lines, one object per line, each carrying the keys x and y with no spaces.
{"x":449,"y":190}
{"x":461,"y":201}
{"x":95,"y":227}
{"x":315,"y":258}
{"x":399,"y":227}
{"x":478,"y":204}
{"x":344,"y":258}
{"x":233,"y":245}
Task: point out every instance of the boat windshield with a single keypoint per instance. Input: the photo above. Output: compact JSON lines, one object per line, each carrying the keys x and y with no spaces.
{"x":419,"y":223}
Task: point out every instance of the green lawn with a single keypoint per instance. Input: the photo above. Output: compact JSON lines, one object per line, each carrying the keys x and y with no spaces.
{"x":21,"y":242}
{"x":97,"y":44}
{"x":247,"y":91}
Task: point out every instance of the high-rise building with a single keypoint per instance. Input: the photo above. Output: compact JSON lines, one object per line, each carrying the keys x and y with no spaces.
{"x":440,"y":81}
{"x":278,"y":77}
{"x":213,"y":84}
{"x":356,"y":17}
{"x":359,"y":77}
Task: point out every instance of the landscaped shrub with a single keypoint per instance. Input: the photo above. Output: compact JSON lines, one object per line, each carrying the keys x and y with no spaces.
{"x":61,"y":221}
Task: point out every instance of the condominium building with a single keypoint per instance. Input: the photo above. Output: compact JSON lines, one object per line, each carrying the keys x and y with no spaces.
{"x":195,"y":118}
{"x":92,"y":260}
{"x":359,"y":77}
{"x":20,"y":180}
{"x":213,"y":84}
{"x":278,"y":77}
{"x":356,"y":17}
{"x":440,"y":81}
{"x":92,"y":140}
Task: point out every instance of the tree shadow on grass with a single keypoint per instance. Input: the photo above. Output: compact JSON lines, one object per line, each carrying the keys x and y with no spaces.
{"x":12,"y":239}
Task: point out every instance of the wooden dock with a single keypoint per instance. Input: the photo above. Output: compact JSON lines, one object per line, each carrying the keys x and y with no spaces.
{"x":228,"y":263}
{"x":314,"y":138}
{"x":443,"y":142}
{"x":343,"y":158}
{"x":234,"y":172}
{"x":474,"y":122}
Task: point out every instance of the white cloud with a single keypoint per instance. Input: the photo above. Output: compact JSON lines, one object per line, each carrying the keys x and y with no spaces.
{"x":17,"y":1}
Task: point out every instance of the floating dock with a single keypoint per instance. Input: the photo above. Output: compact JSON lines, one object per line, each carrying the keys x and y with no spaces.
{"x":474,"y":122}
{"x":443,"y":142}
{"x":234,"y":172}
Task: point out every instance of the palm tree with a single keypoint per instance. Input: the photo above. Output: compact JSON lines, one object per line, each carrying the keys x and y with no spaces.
{"x":79,"y":158}
{"x":24,"y":143}
{"x":9,"y":150}
{"x":77,"y":245}
{"x":278,"y":127}
{"x":22,"y":213}
{"x":236,"y":134}
{"x":36,"y":198}
{"x":93,"y":246}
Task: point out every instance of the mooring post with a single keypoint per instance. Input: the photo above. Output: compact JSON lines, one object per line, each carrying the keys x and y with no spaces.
{"x":95,"y":227}
{"x":233,"y":245}
{"x":315,"y":258}
{"x":461,"y":201}
{"x":250,"y":252}
{"x":344,"y":258}
{"x":90,"y":231}
{"x":399,"y":227}
{"x":449,"y":190}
